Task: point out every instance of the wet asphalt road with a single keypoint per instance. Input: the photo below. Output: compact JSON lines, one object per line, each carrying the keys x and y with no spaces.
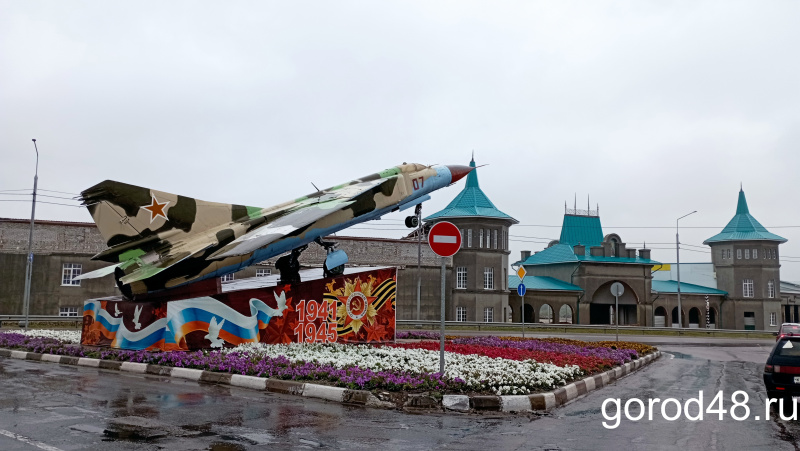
{"x":50,"y":406}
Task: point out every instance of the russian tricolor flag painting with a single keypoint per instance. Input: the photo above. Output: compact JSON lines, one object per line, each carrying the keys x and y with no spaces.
{"x":267,"y":315}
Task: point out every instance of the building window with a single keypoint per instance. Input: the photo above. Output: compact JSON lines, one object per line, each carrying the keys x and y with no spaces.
{"x":747,"y":288}
{"x":774,"y":254}
{"x":68,"y":311}
{"x":747,"y":254}
{"x":723,"y":254}
{"x":461,"y":314}
{"x":226,"y":278}
{"x":488,"y":315}
{"x":738,"y":254}
{"x":480,"y":238}
{"x":755,"y":254}
{"x":488,"y":278}
{"x":488,"y":239}
{"x":729,"y":253}
{"x":69,"y":272}
{"x":494,"y":239}
{"x":461,"y":277}
{"x":773,"y":319}
{"x":469,"y":238}
{"x":263,"y":272}
{"x":503,"y":238}
{"x":771,"y":289}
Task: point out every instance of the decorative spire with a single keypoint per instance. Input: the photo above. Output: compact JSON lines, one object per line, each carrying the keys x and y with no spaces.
{"x":741,"y":207}
{"x":472,"y":177}
{"x":471,"y":202}
{"x":744,"y":227}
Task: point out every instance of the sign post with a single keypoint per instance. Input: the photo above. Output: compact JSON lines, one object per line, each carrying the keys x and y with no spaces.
{"x":708,"y":314}
{"x":617,"y":289}
{"x":521,"y":289}
{"x":445,"y":240}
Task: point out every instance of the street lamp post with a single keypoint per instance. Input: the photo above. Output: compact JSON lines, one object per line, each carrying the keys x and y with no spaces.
{"x":29,"y":265}
{"x":678,"y":252}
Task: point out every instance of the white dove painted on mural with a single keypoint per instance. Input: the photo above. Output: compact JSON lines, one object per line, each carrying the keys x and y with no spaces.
{"x":116,"y":310}
{"x":280,"y":300}
{"x":136,"y":312}
{"x":213,"y":333}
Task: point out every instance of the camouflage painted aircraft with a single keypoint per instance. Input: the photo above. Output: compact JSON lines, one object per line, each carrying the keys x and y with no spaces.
{"x":159,"y":241}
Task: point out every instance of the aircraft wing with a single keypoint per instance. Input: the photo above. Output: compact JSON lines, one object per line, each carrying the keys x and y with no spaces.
{"x":147,"y":270}
{"x":281,"y":227}
{"x":309,"y":211}
{"x":102,"y":272}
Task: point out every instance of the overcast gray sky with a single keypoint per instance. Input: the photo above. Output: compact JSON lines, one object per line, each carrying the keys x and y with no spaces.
{"x":654,"y":109}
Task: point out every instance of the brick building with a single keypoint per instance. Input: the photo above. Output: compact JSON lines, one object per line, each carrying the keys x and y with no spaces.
{"x":63,"y":250}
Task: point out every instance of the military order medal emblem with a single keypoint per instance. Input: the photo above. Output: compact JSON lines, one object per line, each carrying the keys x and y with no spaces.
{"x":357,"y":305}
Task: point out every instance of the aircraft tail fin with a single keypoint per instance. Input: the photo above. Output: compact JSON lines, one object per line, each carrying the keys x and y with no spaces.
{"x":132,"y":217}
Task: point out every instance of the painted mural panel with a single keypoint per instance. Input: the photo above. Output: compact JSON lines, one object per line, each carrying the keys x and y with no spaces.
{"x":353,"y":308}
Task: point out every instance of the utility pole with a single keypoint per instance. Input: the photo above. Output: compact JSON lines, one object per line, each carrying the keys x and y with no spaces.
{"x":418,"y":211}
{"x":678,"y":261}
{"x":29,"y":265}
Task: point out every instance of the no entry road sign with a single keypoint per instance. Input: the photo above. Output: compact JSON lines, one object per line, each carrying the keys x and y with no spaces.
{"x":444,"y":239}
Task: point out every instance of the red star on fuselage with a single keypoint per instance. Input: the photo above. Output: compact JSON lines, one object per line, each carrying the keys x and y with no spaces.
{"x":156,"y":209}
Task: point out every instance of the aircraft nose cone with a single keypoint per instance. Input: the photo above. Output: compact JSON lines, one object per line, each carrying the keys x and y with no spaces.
{"x":458,"y":172}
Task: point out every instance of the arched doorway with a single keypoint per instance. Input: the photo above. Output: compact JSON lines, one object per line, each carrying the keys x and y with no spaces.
{"x":675,"y":318}
{"x":660,"y":317}
{"x":602,"y":299}
{"x":528,"y":314}
{"x":546,"y":314}
{"x":694,"y":318}
{"x":565,"y":314}
{"x":712,"y":318}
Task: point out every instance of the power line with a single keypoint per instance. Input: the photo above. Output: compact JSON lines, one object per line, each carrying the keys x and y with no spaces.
{"x":59,"y":197}
{"x":536,"y":237}
{"x":59,"y":192}
{"x":41,"y":202}
{"x":652,"y":227}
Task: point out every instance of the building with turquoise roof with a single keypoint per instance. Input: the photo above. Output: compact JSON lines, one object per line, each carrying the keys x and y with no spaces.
{"x":586,"y":262}
{"x":478,"y":286}
{"x":746,"y":261}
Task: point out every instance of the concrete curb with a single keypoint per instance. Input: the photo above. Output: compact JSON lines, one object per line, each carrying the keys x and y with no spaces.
{"x":456,"y":403}
{"x":572,"y":391}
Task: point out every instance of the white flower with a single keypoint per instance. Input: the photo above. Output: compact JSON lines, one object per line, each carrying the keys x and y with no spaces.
{"x":65,"y":336}
{"x":480,"y":373}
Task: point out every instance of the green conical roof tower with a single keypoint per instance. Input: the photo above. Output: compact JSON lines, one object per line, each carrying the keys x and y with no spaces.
{"x":744,"y":227}
{"x":471,"y":202}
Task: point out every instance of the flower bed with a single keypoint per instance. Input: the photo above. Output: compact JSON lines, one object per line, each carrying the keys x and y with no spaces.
{"x":418,"y":334}
{"x":588,"y":363}
{"x":640,"y":348}
{"x":619,"y":356}
{"x":480,"y":364}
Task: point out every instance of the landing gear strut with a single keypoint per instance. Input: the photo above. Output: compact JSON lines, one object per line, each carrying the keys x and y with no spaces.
{"x":289,"y":266}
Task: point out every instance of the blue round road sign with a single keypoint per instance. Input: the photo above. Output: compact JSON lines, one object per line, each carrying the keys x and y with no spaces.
{"x":521,"y":289}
